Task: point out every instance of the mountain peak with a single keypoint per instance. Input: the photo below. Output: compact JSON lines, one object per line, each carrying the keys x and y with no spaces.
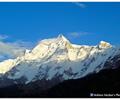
{"x":104,"y":44}
{"x":60,"y":36}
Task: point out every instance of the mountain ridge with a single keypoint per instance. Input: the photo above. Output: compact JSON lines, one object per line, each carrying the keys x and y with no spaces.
{"x":57,"y":57}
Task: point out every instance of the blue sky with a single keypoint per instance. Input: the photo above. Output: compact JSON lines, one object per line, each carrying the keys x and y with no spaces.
{"x":82,"y":23}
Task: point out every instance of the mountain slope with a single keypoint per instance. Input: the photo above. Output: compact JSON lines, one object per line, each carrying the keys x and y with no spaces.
{"x":57,"y":59}
{"x":105,"y":82}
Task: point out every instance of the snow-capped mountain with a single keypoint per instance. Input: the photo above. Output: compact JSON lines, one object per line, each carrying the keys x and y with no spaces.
{"x":57,"y":57}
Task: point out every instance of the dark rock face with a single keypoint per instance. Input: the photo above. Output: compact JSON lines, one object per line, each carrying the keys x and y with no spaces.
{"x":33,"y":89}
{"x":105,"y":82}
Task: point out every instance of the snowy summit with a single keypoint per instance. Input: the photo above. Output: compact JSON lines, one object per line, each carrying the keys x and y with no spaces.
{"x":57,"y":57}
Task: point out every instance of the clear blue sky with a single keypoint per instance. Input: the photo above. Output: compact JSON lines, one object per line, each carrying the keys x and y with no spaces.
{"x":83,"y":23}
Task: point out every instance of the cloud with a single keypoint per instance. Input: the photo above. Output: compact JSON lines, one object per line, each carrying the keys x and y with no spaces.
{"x":3,"y":37}
{"x":12,"y":49}
{"x":23,"y":44}
{"x":81,"y":5}
{"x":77,"y":34}
{"x":74,"y":34}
